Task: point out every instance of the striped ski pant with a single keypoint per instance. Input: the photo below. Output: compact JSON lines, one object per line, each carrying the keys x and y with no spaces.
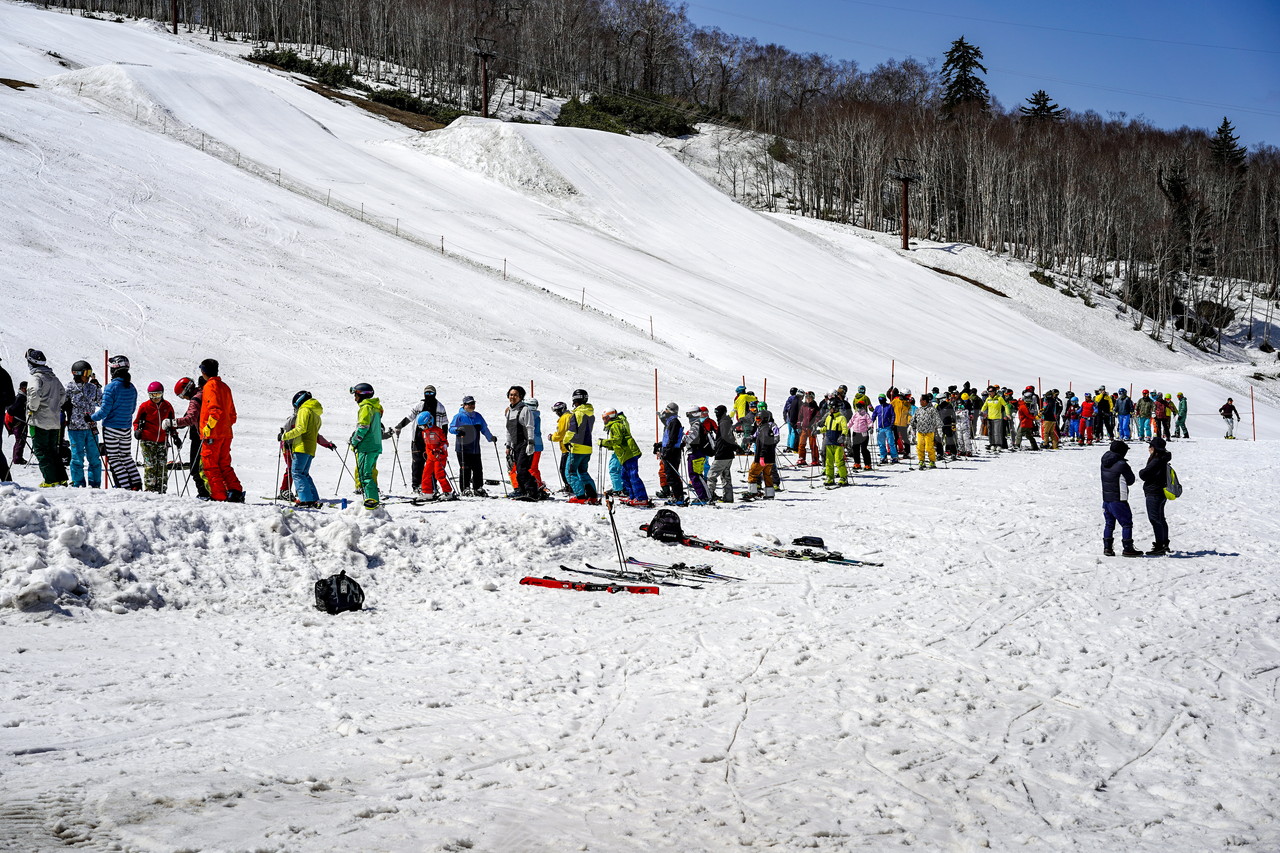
{"x":124,"y":472}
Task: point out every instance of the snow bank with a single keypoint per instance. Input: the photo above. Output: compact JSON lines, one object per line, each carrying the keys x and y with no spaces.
{"x":497,"y":150}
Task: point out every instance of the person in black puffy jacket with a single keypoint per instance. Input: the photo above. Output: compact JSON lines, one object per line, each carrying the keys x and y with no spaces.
{"x":1117,"y":477}
{"x":1155,"y":475}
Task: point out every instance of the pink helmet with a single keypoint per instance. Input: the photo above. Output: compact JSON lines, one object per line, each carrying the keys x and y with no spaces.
{"x":155,"y":388}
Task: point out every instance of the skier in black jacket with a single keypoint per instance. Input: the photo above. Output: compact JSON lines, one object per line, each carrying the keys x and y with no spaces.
{"x":725,"y":451}
{"x":1117,"y":477}
{"x":6,"y":400}
{"x":1155,"y":475}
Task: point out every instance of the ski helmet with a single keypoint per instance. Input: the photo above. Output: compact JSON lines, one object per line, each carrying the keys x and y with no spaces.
{"x":362,"y":391}
{"x":185,"y":388}
{"x":762,"y":406}
{"x":155,"y":388}
{"x":672,"y":408}
{"x":926,"y":398}
{"x":532,"y":402}
{"x":80,"y":368}
{"x":609,"y":415}
{"x":579,"y":397}
{"x":300,"y":398}
{"x":558,"y":407}
{"x":793,"y":390}
{"x":741,"y":389}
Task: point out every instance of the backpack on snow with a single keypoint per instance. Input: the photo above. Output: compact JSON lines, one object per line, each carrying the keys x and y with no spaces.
{"x":665,"y":526}
{"x":338,"y":593}
{"x":1172,"y":485}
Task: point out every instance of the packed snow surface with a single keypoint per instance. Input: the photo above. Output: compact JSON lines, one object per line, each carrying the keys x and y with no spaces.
{"x":169,"y":687}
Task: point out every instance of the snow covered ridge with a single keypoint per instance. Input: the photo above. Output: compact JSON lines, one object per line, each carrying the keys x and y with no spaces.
{"x":67,"y":549}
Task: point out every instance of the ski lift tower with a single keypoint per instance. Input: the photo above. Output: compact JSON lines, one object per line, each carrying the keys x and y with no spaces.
{"x":484,"y":52}
{"x":904,"y":171}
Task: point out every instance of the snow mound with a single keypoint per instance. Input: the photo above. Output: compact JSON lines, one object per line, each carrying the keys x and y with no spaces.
{"x":498,"y":151}
{"x":122,"y":551}
{"x":116,"y":87}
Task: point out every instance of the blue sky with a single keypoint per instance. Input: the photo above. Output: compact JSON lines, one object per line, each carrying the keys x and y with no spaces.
{"x":1175,"y":62}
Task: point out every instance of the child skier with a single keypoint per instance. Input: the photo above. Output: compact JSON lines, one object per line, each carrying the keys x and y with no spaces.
{"x":153,"y":439}
{"x":435,"y":458}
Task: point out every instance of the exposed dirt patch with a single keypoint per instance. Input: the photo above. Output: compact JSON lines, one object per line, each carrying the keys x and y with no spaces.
{"x":988,"y":288}
{"x":410,"y":120}
{"x":17,"y":84}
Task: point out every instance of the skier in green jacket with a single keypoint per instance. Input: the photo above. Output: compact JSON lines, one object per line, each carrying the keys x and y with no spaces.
{"x":624,"y":447}
{"x":366,"y":441}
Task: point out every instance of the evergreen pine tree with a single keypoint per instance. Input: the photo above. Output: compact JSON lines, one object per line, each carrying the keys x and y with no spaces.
{"x":1041,"y":108}
{"x":962,"y":88}
{"x":1225,"y":148}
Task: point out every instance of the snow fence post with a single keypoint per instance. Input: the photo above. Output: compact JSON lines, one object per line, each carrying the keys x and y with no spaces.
{"x":1253,"y":414}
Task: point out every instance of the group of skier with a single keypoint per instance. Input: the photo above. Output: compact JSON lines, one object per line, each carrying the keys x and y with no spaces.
{"x":696,"y":451}
{"x":81,"y":423}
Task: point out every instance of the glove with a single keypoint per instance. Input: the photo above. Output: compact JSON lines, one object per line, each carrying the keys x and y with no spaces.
{"x":493,"y":439}
{"x":529,"y":448}
{"x":657,"y":448}
{"x":166,"y":424}
{"x":387,"y":433}
{"x":397,"y":429}
{"x":102,"y":449}
{"x":137,"y":433}
{"x":208,"y":442}
{"x":334,"y":448}
{"x":279,"y":435}
{"x":177,"y":442}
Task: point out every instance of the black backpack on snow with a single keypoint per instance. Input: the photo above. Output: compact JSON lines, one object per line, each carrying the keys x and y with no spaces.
{"x":338,"y":593}
{"x":665,"y":526}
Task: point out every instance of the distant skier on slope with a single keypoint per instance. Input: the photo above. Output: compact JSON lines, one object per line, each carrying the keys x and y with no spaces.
{"x":1231,"y":416}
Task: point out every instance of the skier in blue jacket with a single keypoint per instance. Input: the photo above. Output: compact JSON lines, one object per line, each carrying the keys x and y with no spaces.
{"x":882,"y":416}
{"x":119,"y":399}
{"x":468,"y":425}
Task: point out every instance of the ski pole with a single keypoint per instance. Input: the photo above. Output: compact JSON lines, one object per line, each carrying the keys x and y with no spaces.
{"x":279,"y":457}
{"x":337,"y":490}
{"x":502,"y":473}
{"x":617,"y":540}
{"x":395,"y":447}
{"x":559,"y":471}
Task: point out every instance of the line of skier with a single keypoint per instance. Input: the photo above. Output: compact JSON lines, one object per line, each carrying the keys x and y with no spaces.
{"x":696,"y":451}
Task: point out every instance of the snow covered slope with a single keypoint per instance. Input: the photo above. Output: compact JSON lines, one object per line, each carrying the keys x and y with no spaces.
{"x":573,"y":211}
{"x":167,"y":686}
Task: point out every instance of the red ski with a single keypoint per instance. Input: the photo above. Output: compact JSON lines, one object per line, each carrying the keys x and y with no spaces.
{"x":553,"y":583}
